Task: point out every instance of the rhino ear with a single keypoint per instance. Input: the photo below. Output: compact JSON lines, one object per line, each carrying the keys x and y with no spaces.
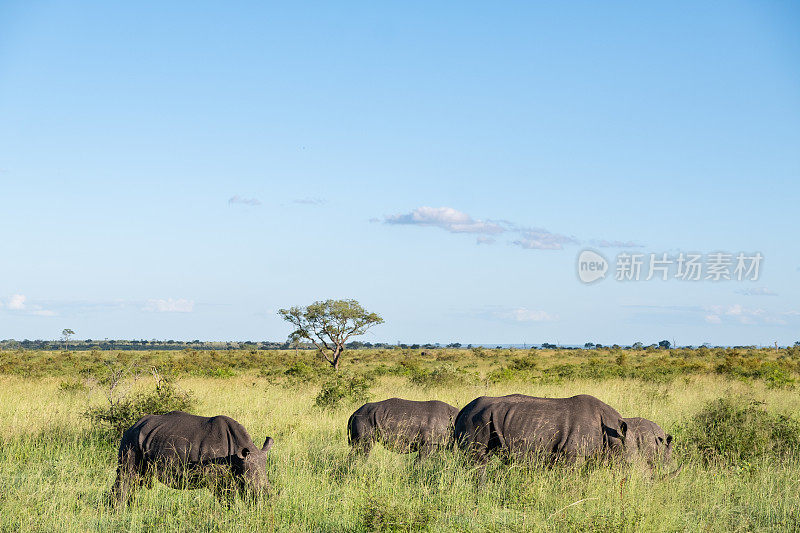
{"x":669,"y":440}
{"x":267,"y":444}
{"x":623,"y":428}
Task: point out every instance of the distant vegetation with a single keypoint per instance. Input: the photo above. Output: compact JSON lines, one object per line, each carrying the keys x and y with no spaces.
{"x":425,"y":367}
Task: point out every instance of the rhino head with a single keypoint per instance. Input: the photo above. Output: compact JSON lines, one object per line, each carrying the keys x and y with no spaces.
{"x":253,"y":466}
{"x":649,"y":443}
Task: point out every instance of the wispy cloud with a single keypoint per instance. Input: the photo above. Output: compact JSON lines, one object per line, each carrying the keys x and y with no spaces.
{"x":523,"y":314}
{"x":239,"y":200}
{"x":729,"y":314}
{"x":541,"y":239}
{"x":519,"y":314}
{"x":17,"y":302}
{"x":169,"y":305}
{"x":603,"y":243}
{"x":757,"y":291}
{"x":455,"y":221}
{"x":308,"y":201}
{"x":446,"y":218}
{"x":717,"y":314}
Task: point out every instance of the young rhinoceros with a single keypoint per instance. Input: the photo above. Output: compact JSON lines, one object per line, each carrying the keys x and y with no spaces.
{"x":402,"y":425}
{"x":647,"y":442}
{"x":186,"y":451}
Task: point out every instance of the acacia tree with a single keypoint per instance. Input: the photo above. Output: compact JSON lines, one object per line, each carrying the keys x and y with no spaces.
{"x":329,"y":324}
{"x":66,"y":334}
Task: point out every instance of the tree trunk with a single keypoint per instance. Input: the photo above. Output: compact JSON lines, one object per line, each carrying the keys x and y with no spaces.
{"x":337,"y":354}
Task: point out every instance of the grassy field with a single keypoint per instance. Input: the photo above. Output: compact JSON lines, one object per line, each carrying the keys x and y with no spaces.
{"x":56,"y":468}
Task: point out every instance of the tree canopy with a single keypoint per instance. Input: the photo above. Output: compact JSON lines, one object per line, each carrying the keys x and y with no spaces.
{"x":329,"y":324}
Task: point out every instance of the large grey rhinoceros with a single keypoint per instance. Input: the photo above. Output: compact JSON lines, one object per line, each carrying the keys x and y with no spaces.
{"x":402,"y":425}
{"x":647,"y":442}
{"x":186,"y":451}
{"x":548,"y":429}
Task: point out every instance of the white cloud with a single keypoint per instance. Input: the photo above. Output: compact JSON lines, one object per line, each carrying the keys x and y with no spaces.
{"x":17,"y":302}
{"x":308,"y":201}
{"x":738,"y":313}
{"x":757,"y":291}
{"x":446,"y":218}
{"x":236,"y":199}
{"x":456,"y":221}
{"x":541,"y":239}
{"x":522,"y":314}
{"x":169,"y":305}
{"x":603,"y":243}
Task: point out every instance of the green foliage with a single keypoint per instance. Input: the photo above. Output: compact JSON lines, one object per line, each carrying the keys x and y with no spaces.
{"x":72,"y":385}
{"x":121,"y":412}
{"x":301,"y":372}
{"x":444,"y":375}
{"x":736,"y":432}
{"x":328,"y":325}
{"x":380,"y":515}
{"x":344,"y":390}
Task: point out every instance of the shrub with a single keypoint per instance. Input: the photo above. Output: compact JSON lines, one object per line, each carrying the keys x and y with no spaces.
{"x":445,"y":375}
{"x":123,"y":410}
{"x":72,"y":385}
{"x":380,"y":515}
{"x":301,"y":372}
{"x":344,"y":389}
{"x":736,"y":432}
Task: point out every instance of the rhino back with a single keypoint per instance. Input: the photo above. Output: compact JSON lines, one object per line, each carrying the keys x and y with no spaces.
{"x":188,"y":437}
{"x":473,"y":418}
{"x":408,"y":417}
{"x":573,"y":426}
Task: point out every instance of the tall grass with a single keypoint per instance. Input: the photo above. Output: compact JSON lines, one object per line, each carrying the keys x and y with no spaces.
{"x":55,"y":472}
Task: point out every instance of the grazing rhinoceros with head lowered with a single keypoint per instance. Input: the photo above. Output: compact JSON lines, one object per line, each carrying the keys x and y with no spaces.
{"x":402,"y":425}
{"x":549,"y":429}
{"x":647,"y":442}
{"x":187,"y":451}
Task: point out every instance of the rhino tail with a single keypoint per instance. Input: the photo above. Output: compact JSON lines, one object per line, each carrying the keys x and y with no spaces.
{"x":350,"y":429}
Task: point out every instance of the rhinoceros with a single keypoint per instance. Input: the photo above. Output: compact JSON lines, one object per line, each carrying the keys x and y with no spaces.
{"x":647,"y":442}
{"x":548,"y":429}
{"x":186,"y":451}
{"x":402,"y":425}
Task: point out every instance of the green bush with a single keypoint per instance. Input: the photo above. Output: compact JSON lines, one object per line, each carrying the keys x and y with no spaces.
{"x":736,"y":432}
{"x":301,"y":372}
{"x":344,"y":389}
{"x":113,"y":418}
{"x":445,"y":375}
{"x":380,"y":515}
{"x":72,"y":385}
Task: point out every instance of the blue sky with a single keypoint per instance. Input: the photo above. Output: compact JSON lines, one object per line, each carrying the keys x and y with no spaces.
{"x":183,"y":171}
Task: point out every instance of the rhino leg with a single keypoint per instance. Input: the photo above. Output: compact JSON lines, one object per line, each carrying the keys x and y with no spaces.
{"x":425,"y":450}
{"x":129,"y":476}
{"x":361,"y":447}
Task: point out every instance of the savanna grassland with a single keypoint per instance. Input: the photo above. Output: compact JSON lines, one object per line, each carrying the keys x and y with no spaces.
{"x":741,"y":455}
